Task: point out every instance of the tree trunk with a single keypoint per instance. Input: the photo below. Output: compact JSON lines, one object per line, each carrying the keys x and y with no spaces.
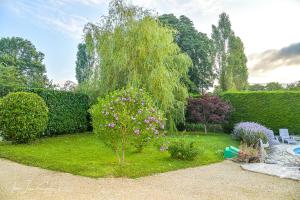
{"x":205,"y":129}
{"x":123,"y":153}
{"x":118,"y":156}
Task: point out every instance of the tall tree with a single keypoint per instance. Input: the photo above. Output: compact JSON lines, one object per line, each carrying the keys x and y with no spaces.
{"x":84,"y":63}
{"x":22,"y":54}
{"x":230,"y":58}
{"x":198,"y":46}
{"x":237,"y":64}
{"x":135,"y":50}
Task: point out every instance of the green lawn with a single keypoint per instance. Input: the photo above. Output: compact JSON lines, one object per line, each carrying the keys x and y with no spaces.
{"x":84,"y":154}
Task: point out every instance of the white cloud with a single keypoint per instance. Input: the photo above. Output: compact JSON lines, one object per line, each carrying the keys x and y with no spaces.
{"x":202,"y":12}
{"x":84,"y":2}
{"x":284,"y":74}
{"x":92,"y":2}
{"x":71,"y":25}
{"x":53,"y":15}
{"x":181,"y":7}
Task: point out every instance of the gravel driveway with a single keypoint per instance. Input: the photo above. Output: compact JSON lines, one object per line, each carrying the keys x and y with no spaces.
{"x":224,"y":181}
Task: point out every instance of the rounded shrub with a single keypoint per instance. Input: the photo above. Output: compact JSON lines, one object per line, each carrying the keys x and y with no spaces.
{"x":23,"y":116}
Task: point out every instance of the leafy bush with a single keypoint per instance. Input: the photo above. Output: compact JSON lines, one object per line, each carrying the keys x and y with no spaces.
{"x":275,"y":110}
{"x":207,"y":110}
{"x":68,"y":111}
{"x":250,"y":133}
{"x":194,"y":127}
{"x":23,"y":116}
{"x":183,"y":150}
{"x":5,"y":89}
{"x":200,"y":127}
{"x":126,"y":117}
{"x":248,"y":154}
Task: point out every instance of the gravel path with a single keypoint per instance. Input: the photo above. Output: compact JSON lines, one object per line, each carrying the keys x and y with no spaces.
{"x":224,"y":181}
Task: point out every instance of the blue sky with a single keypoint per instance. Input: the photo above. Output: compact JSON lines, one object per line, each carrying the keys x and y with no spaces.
{"x":265,"y":26}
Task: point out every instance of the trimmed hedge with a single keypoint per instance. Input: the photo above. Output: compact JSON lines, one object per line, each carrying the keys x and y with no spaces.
{"x":275,"y":110}
{"x":68,"y":111}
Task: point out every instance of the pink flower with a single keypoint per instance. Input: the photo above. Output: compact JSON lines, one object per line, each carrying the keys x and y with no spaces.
{"x":163,"y":147}
{"x":137,"y":131}
{"x":112,"y":125}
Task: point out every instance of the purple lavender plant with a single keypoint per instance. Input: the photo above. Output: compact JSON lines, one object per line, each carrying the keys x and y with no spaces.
{"x":251,"y":130}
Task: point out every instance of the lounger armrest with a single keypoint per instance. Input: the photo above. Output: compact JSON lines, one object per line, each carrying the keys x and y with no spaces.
{"x":281,"y":138}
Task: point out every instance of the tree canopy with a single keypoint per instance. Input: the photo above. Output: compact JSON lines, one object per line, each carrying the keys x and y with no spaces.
{"x":256,"y":87}
{"x":22,"y":55}
{"x":294,"y":86}
{"x":134,"y":49}
{"x":84,"y":63}
{"x":198,"y":46}
{"x":9,"y":76}
{"x":230,"y":58}
{"x":273,"y":86}
{"x":207,"y":110}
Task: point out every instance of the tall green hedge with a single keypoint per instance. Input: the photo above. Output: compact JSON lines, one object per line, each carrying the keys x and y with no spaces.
{"x":275,"y":110}
{"x":67,"y":110}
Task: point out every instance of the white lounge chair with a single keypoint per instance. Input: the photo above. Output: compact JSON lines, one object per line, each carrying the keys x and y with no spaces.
{"x":273,"y":140}
{"x":285,"y":136}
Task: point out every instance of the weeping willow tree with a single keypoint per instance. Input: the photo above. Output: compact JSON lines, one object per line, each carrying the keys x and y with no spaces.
{"x":134,"y":49}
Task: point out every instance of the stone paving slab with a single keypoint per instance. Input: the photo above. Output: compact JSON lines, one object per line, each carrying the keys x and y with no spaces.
{"x":278,"y":154}
{"x":279,"y":162}
{"x":274,"y":170}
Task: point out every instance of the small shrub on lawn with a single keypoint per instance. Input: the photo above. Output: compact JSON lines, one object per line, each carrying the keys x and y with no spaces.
{"x":23,"y":116}
{"x":183,"y":150}
{"x":250,"y":133}
{"x":124,"y":117}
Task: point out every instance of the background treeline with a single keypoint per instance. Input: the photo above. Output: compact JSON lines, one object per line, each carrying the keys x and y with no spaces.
{"x":275,"y":86}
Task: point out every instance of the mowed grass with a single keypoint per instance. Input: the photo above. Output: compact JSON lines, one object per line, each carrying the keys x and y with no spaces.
{"x":86,"y":155}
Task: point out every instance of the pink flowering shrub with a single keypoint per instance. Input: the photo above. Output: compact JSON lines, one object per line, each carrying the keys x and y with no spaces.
{"x":126,"y":117}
